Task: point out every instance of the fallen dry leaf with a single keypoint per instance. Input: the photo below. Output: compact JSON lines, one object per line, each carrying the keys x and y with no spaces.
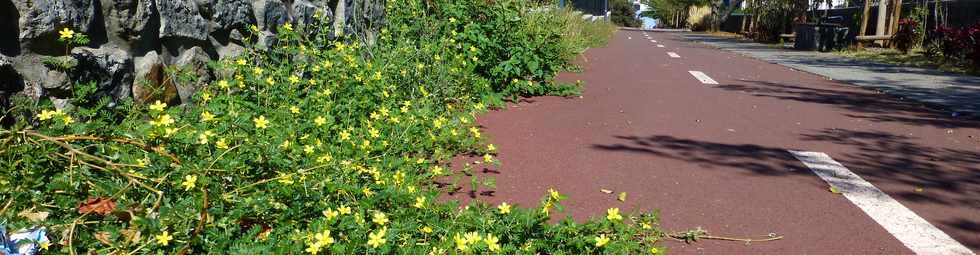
{"x":622,"y":196}
{"x":34,"y":216}
{"x":834,"y":190}
{"x":104,"y":237}
{"x":130,"y":235}
{"x":101,"y":206}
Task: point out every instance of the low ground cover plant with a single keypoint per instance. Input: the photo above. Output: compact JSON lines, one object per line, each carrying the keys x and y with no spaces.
{"x":317,"y":145}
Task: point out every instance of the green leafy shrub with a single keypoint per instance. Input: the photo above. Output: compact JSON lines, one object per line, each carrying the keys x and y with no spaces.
{"x":316,"y":146}
{"x":623,"y":14}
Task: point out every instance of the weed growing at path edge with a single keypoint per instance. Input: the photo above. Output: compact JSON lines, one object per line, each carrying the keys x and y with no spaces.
{"x":316,"y":145}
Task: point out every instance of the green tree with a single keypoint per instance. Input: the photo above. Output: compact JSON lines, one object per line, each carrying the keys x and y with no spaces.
{"x":623,"y":13}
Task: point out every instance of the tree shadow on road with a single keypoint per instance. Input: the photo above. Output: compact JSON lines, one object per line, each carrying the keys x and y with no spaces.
{"x":868,"y":105}
{"x":948,"y":178}
{"x":888,"y":158}
{"x":752,"y":158}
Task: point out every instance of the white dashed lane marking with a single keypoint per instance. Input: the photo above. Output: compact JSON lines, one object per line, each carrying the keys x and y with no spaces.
{"x":913,"y":231}
{"x":702,"y":77}
{"x":673,"y":55}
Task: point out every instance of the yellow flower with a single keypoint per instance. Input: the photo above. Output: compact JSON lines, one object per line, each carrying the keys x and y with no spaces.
{"x":240,"y":61}
{"x":223,"y":84}
{"x":308,"y":149}
{"x":323,"y":159}
{"x":313,"y":248}
{"x":66,"y":33}
{"x":645,"y":225}
{"x":344,"y":210}
{"x":203,"y":137}
{"x":426,"y":230}
{"x":207,"y":116}
{"x":376,"y":239}
{"x":163,"y":120}
{"x":419,"y":202}
{"x":601,"y":240}
{"x":270,"y":81}
{"x":288,"y":26}
{"x":68,"y":120}
{"x":379,"y":218}
{"x":46,"y":115}
{"x":472,"y":237}
{"x":221,"y":144}
{"x":460,"y":242}
{"x":330,"y":214}
{"x":257,"y":70}
{"x":492,"y":242}
{"x":654,"y":250}
{"x":437,"y":170}
{"x":504,"y":208}
{"x":261,"y":122}
{"x":294,"y":109}
{"x":253,"y":28}
{"x":374,"y":132}
{"x":293,"y":79}
{"x":158,"y":106}
{"x":487,"y":158}
{"x":613,"y":214}
{"x":491,"y":148}
{"x":141,"y":163}
{"x":44,"y":245}
{"x":190,"y":182}
{"x":164,"y":238}
{"x":324,"y":238}
{"x":344,"y":135}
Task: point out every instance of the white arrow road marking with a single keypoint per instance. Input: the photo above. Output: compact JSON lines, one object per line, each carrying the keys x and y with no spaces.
{"x":915,"y":232}
{"x":702,"y":77}
{"x":673,"y":55}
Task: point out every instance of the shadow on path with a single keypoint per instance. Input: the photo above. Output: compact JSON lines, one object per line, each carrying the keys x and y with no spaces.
{"x":865,"y":105}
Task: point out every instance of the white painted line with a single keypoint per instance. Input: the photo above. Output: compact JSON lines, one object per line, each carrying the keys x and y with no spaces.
{"x":660,"y":45}
{"x":673,"y":55}
{"x":653,"y":40}
{"x":702,"y":77}
{"x":916,"y":233}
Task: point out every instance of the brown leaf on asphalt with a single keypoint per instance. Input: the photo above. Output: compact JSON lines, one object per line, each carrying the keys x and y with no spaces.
{"x":622,"y":196}
{"x":100,"y":206}
{"x":919,"y":190}
{"x":34,"y":216}
{"x":606,"y":191}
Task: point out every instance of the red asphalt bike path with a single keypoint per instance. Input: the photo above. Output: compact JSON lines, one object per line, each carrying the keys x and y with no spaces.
{"x":715,"y":156}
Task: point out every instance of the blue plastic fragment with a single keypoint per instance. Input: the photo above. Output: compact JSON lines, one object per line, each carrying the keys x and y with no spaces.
{"x":22,"y":242}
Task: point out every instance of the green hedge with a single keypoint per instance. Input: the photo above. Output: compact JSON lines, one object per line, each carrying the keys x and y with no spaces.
{"x":314,"y":146}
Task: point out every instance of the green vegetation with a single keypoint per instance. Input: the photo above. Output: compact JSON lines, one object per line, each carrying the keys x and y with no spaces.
{"x":915,"y":58}
{"x":316,"y":146}
{"x":623,"y":14}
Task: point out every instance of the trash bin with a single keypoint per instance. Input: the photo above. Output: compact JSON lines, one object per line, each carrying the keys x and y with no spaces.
{"x":826,"y":35}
